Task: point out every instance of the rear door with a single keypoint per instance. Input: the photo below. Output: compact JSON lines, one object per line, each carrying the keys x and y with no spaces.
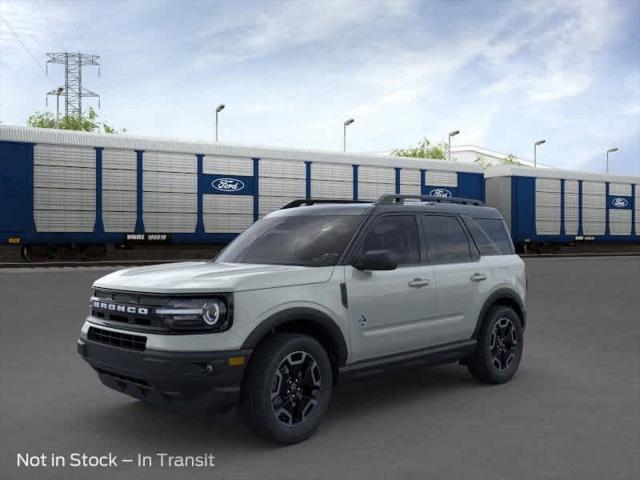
{"x":390,"y":311}
{"x":460,"y":274}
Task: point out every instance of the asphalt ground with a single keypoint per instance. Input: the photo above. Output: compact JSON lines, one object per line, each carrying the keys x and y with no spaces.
{"x":571,"y":412}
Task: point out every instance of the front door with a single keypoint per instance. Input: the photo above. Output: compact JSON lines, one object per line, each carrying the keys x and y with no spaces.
{"x":390,"y":311}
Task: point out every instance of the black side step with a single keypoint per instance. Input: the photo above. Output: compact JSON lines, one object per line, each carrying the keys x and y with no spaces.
{"x":438,"y":355}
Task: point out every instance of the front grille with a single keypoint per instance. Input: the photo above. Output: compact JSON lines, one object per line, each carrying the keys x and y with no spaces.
{"x":134,"y":310}
{"x":117,"y":339}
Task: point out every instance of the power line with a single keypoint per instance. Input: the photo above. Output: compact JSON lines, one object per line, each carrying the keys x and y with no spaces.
{"x":23,"y":45}
{"x":48,"y":20}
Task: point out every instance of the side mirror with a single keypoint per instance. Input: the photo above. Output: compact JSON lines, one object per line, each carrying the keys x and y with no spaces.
{"x":376,"y":260}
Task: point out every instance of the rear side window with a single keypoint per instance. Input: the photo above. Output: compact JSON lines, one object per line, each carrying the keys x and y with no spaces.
{"x":446,"y":240}
{"x":397,"y":233}
{"x":496,"y":230}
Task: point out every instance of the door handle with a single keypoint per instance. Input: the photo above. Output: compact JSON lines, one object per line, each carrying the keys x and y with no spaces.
{"x":418,"y":282}
{"x":478,"y":277}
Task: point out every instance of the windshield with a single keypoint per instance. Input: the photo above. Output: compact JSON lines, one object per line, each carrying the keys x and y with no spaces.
{"x":309,"y":240}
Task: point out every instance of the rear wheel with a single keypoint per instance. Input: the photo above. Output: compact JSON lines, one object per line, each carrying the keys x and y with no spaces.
{"x":288,"y":388}
{"x":499,"y":348}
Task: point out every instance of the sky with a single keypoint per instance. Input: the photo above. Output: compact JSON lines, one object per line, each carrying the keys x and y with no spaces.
{"x":504,"y":73}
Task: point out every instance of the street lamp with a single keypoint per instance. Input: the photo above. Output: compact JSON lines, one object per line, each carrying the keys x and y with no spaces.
{"x":344,"y":133}
{"x":535,"y":152}
{"x":452,"y":134}
{"x":218,"y":110}
{"x":611,"y":150}
{"x":59,"y":91}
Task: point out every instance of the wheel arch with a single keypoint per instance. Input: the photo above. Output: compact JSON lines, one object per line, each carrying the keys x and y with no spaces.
{"x":306,"y":321}
{"x":506,"y":297}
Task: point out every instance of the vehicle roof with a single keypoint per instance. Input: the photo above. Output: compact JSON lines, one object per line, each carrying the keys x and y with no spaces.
{"x":473,"y":211}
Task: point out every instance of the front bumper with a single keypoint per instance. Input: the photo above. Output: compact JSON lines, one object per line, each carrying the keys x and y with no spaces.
{"x":198,"y":380}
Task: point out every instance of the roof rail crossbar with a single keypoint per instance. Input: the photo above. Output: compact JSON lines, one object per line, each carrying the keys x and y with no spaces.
{"x":392,"y":199}
{"x":311,"y":201}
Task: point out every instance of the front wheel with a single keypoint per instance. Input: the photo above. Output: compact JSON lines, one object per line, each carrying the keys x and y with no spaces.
{"x":288,"y":388}
{"x":499,"y":348}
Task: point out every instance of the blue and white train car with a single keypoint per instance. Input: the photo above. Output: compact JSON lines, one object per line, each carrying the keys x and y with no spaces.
{"x":562,"y":206}
{"x":64,"y":187}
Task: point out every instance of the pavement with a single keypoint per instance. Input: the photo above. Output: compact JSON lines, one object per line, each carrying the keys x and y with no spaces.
{"x":571,"y":412}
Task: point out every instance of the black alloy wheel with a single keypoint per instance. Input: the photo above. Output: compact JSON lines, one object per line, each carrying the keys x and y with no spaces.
{"x":287,"y":387}
{"x":504,"y":343}
{"x":295,"y":390}
{"x":499,"y":346}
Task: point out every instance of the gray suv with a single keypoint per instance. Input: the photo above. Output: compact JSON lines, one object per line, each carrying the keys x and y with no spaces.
{"x":313,"y":294}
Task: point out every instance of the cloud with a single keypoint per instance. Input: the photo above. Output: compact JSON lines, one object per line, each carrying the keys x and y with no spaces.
{"x":258,"y":33}
{"x":557,"y":51}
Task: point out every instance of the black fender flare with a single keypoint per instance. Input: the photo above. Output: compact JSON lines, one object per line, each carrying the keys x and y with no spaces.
{"x":301,"y":314}
{"x":500,"y":296}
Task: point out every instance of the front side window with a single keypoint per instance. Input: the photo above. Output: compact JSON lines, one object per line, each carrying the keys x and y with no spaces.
{"x":397,"y":233}
{"x":306,"y":240}
{"x":446,"y":240}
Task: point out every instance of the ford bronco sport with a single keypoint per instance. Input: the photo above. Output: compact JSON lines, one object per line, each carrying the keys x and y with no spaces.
{"x":314,"y":293}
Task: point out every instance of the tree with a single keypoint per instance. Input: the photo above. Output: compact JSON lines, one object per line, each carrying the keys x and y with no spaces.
{"x":508,"y":160}
{"x":424,"y":149}
{"x":86,"y":123}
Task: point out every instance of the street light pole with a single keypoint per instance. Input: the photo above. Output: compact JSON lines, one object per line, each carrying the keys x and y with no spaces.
{"x":58,"y":93}
{"x":451,"y":134}
{"x":344,"y":133}
{"x":218,"y":110}
{"x":535,"y":151}
{"x":611,"y":150}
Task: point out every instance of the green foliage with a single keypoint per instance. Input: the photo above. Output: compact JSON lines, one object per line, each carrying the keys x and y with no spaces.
{"x":86,"y":123}
{"x":508,"y":160}
{"x":482,"y":162}
{"x":424,"y":149}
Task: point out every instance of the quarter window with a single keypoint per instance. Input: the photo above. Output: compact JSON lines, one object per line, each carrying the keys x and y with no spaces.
{"x":496,"y":230}
{"x":446,"y":240}
{"x":483,"y":242}
{"x":397,"y":233}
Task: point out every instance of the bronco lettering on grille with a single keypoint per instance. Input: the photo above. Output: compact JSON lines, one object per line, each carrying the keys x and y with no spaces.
{"x":120,"y":308}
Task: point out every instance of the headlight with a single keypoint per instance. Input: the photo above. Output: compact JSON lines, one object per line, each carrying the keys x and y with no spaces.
{"x":210,"y":314}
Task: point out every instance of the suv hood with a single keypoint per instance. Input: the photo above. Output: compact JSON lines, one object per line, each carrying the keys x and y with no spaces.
{"x":210,"y":277}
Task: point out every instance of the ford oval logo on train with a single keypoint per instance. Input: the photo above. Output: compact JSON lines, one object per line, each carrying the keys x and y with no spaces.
{"x":619,"y":202}
{"x":440,"y":192}
{"x":227,"y":184}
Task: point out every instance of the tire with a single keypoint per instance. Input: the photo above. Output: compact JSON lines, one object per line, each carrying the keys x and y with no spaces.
{"x":499,"y":348}
{"x":297,"y":369}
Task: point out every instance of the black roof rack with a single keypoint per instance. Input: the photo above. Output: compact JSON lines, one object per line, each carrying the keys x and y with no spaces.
{"x":387,"y":199}
{"x":395,"y":199}
{"x":310,"y":201}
